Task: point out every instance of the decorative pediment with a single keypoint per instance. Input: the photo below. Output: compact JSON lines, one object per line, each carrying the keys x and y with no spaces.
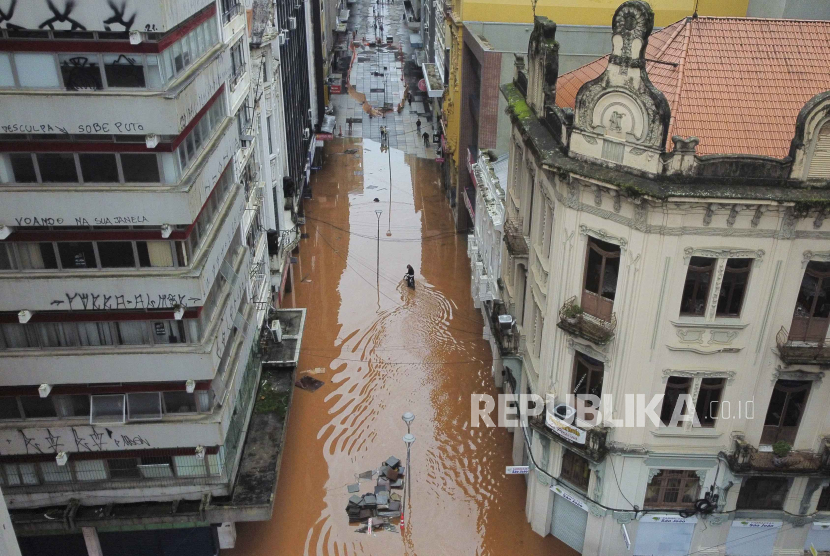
{"x":811,"y":140}
{"x":620,"y":116}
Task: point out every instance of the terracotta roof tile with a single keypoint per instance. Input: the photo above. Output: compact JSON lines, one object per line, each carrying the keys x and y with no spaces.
{"x":738,"y":83}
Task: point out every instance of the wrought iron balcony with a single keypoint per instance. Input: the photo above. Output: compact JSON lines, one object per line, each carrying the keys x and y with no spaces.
{"x":801,"y":352}
{"x":596,"y":441}
{"x":514,"y":238}
{"x":747,"y":459}
{"x":593,"y":329}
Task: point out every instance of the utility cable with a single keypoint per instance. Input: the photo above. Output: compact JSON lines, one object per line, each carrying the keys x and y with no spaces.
{"x":395,"y":302}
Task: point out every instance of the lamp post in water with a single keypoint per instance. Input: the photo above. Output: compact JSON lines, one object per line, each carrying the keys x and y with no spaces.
{"x":408,"y":439}
{"x":378,"y":212}
{"x":408,"y":417}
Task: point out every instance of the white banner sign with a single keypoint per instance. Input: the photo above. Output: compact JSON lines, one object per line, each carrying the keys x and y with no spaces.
{"x":757,"y":524}
{"x":667,"y":518}
{"x":821,"y":525}
{"x":518,"y":469}
{"x":626,"y":538}
{"x":569,"y":497}
{"x":566,"y":431}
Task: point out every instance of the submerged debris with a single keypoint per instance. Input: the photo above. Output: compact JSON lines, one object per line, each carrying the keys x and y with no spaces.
{"x":309,"y":383}
{"x":381,"y":502}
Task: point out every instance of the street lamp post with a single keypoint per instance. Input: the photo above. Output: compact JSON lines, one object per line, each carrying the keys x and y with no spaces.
{"x":408,"y":439}
{"x":378,"y":212}
{"x":408,"y":417}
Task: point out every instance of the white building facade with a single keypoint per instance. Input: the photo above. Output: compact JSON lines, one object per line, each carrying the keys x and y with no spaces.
{"x":484,"y":248}
{"x":632,"y":271}
{"x":133,"y":262}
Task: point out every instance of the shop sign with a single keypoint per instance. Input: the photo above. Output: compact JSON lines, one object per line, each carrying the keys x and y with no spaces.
{"x":325,"y":136}
{"x":518,"y":469}
{"x":569,"y":497}
{"x":667,"y":518}
{"x":626,"y":538}
{"x":569,"y":432}
{"x":335,"y":89}
{"x":821,"y":525}
{"x":757,"y":524}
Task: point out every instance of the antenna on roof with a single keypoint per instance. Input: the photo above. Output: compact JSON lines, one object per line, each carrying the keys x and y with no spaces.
{"x":694,"y":14}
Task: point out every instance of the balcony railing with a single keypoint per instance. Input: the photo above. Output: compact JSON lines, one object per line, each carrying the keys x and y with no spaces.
{"x":800,"y":352}
{"x":514,"y":238}
{"x":589,"y":327}
{"x":232,"y":11}
{"x":596,"y":440}
{"x":504,"y":331}
{"x":746,"y":458}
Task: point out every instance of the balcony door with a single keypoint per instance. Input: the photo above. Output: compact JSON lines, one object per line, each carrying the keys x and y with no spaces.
{"x":812,"y":307}
{"x":602,"y":266}
{"x":786,"y":406}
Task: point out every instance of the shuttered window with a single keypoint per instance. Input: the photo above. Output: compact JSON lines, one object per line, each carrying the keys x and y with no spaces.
{"x":820,"y":163}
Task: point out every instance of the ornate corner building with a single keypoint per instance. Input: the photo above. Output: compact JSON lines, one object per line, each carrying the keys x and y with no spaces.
{"x":664,"y":237}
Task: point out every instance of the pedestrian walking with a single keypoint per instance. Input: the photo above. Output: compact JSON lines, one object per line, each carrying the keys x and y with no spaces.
{"x":418,"y":124}
{"x":426,"y":140}
{"x":409,"y":98}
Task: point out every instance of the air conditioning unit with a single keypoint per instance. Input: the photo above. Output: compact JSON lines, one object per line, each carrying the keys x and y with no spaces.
{"x":292,"y":22}
{"x":306,"y":134}
{"x":309,"y":113}
{"x":505,"y":322}
{"x":563,"y":412}
{"x":282,"y":38}
{"x":276,"y":330}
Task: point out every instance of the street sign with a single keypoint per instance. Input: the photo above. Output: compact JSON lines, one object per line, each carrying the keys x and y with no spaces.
{"x":518,"y":469}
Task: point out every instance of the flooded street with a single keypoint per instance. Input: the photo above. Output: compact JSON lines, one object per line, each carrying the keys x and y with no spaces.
{"x":385,"y":349}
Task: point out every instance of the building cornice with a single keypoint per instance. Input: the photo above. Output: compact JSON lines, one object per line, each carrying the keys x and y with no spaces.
{"x":552,"y":159}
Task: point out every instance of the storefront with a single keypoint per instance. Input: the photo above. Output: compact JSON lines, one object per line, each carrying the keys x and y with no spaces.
{"x":570,"y":518}
{"x":752,"y":538}
{"x":664,"y":535}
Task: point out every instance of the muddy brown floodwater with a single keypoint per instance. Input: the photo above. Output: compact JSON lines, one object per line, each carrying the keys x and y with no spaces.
{"x":386,"y":350}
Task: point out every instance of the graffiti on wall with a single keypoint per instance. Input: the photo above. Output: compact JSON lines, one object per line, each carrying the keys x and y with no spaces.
{"x":68,"y":15}
{"x":89,"y":301}
{"x":96,"y":440}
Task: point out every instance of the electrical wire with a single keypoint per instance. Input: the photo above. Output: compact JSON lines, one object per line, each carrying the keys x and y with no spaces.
{"x":395,"y":302}
{"x":617,"y":480}
{"x":419,"y":239}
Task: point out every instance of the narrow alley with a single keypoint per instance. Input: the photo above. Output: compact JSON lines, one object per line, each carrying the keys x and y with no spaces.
{"x":385,"y":350}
